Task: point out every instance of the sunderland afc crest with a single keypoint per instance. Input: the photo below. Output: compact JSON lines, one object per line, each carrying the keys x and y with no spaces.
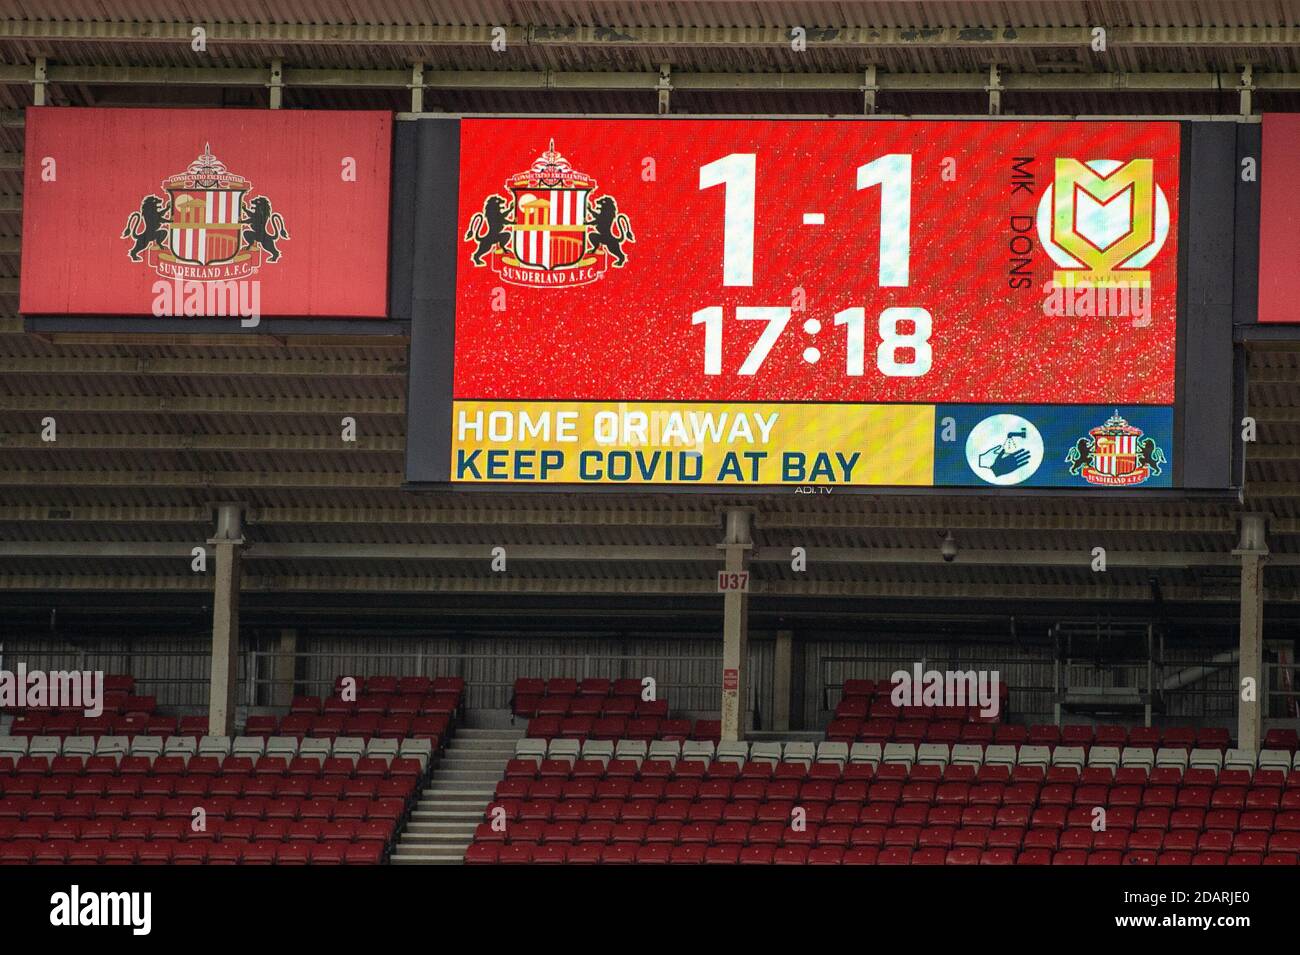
{"x":551,"y":230}
{"x":1116,"y":454}
{"x":206,"y":227}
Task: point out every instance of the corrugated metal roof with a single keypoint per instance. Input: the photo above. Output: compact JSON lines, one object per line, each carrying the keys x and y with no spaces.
{"x":300,"y":494}
{"x":706,"y":13}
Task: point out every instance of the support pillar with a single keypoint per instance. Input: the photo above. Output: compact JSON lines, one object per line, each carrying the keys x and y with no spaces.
{"x":38,"y":82}
{"x":869,"y":90}
{"x":277,"y":84}
{"x":1246,"y":90}
{"x":417,"y":88}
{"x":735,"y":629}
{"x":994,"y":89}
{"x":224,"y":674}
{"x":782,"y":680}
{"x":665,"y":88}
{"x":1253,"y":551}
{"x":282,"y":671}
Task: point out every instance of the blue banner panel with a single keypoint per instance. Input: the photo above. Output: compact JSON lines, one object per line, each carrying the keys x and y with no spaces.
{"x":1097,"y":447}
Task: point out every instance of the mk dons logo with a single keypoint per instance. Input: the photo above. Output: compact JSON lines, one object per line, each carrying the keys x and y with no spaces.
{"x":550,"y":232}
{"x":1103,"y":222}
{"x":206,"y":227}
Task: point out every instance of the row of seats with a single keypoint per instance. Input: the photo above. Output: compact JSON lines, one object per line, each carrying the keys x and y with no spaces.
{"x":331,"y":726}
{"x":262,"y":725}
{"x":594,"y":696}
{"x":620,"y":727}
{"x":894,"y":807}
{"x":568,"y":686}
{"x":955,"y":773}
{"x":859,"y":710}
{"x":885,"y":688}
{"x":159,"y":817}
{"x":186,"y":747}
{"x":560,"y":696}
{"x":908,"y":728}
{"x":377,"y":704}
{"x":401,"y":685}
{"x":432,"y":727}
{"x":117,"y":695}
{"x":624,"y":706}
{"x":884,"y":835}
{"x":120,"y":852}
{"x":179,"y":828}
{"x":694,"y":854}
{"x":904,"y":760}
{"x":109,"y":724}
{"x":29,"y":795}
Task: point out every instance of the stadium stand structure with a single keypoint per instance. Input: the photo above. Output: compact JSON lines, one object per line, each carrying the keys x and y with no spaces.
{"x":280,"y":799}
{"x":332,"y":781}
{"x":1099,"y":800}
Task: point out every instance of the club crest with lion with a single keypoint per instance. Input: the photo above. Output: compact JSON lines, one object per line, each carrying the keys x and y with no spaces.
{"x":206,"y":227}
{"x":552,"y":230}
{"x":1116,"y":454}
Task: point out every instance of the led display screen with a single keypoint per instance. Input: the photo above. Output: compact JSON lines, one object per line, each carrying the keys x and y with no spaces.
{"x":736,"y":303}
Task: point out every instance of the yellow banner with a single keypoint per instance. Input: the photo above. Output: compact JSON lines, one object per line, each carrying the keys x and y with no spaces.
{"x":688,"y":443}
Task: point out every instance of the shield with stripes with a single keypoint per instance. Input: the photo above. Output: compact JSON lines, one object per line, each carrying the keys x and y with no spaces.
{"x":207,"y":204}
{"x":549,"y":230}
{"x":1116,"y":453}
{"x":205,"y":227}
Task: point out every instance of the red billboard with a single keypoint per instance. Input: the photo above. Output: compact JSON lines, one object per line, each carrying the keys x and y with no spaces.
{"x":1279,"y":219}
{"x":205,"y":213}
{"x":817,"y":261}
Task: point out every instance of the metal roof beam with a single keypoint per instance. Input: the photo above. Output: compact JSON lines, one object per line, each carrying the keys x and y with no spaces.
{"x":196,"y":480}
{"x":648,"y":81}
{"x":216,"y":404}
{"x":940,"y":521}
{"x":358,"y":551}
{"x":1080,"y":557}
{"x":137,"y":582}
{"x":889,"y":556}
{"x":205,"y":442}
{"x":357,"y":34}
{"x":51,"y":513}
{"x":600,"y":37}
{"x":518,"y":584}
{"x":219,"y":366}
{"x":591,"y":514}
{"x":1262,"y":489}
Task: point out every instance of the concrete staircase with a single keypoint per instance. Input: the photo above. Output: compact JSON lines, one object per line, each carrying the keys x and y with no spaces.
{"x":463,"y":781}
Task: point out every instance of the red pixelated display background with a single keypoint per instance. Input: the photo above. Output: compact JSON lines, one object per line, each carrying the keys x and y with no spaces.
{"x":75,"y":260}
{"x":1279,"y":220}
{"x":629,"y":336}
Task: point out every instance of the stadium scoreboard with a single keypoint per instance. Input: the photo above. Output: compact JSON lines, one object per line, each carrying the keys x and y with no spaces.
{"x":731,"y":304}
